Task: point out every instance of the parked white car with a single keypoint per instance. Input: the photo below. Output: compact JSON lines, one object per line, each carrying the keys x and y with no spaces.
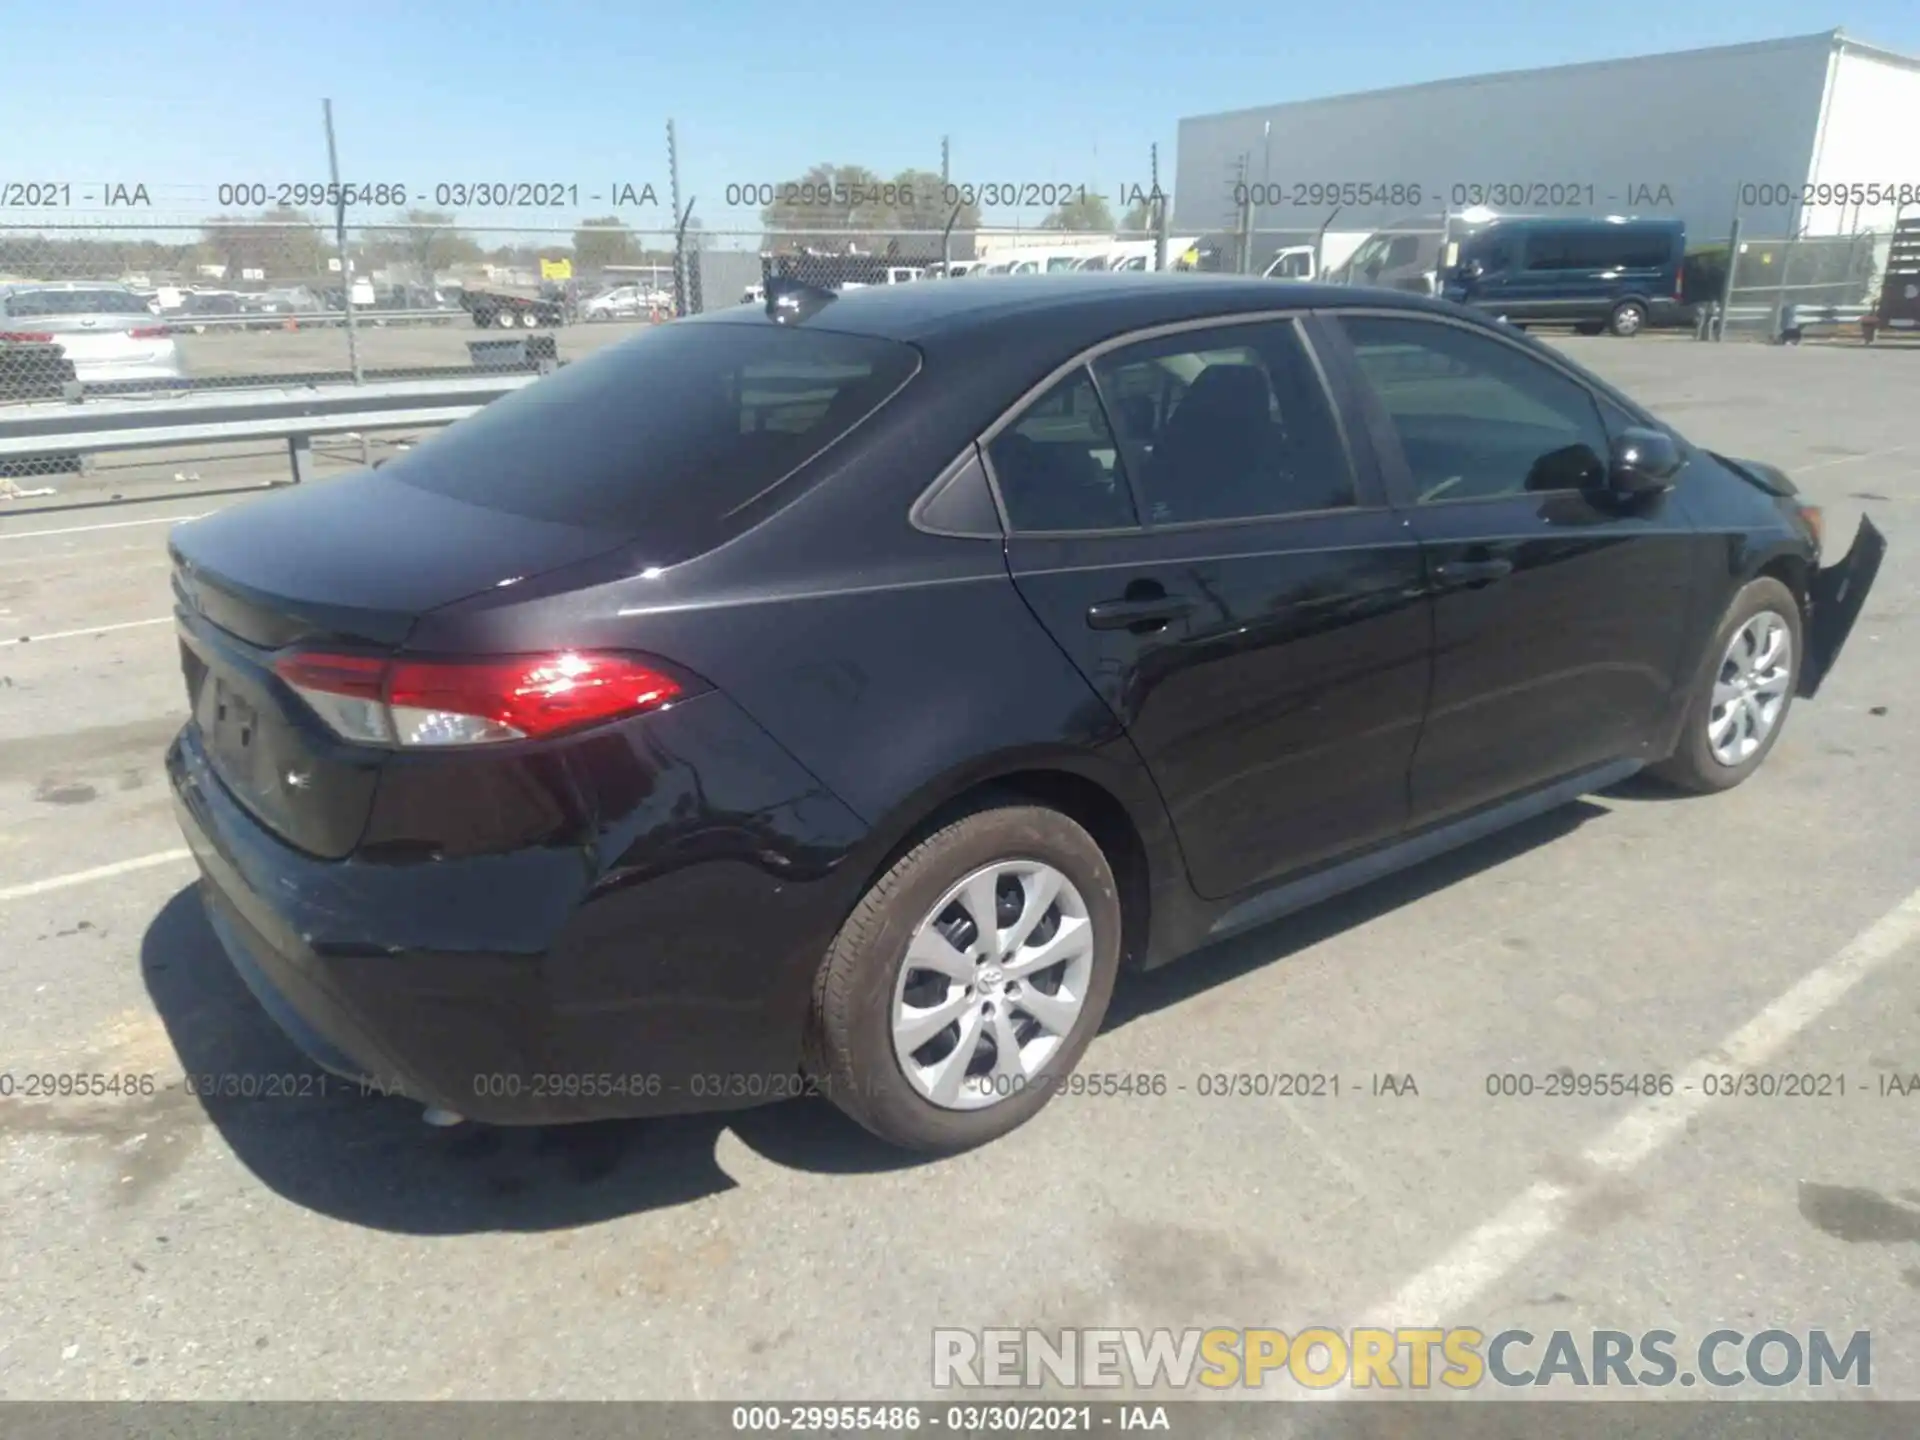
{"x":623,"y":302}
{"x":107,"y":331}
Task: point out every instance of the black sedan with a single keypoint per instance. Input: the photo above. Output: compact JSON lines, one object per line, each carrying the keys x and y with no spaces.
{"x":839,"y":697}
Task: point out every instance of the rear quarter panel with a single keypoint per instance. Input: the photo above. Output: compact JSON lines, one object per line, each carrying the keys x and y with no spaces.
{"x":900,"y":668}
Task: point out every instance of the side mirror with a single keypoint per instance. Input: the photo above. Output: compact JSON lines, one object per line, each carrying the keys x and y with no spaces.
{"x":1642,"y":462}
{"x":1472,"y":270}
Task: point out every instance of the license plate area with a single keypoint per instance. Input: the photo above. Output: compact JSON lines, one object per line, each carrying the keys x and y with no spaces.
{"x":230,"y":721}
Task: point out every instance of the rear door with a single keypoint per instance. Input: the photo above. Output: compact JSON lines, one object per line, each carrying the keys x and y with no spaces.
{"x":1189,"y":521}
{"x":1559,"y":615}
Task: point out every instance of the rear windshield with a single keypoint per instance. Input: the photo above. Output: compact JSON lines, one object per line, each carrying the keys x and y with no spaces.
{"x":673,"y":429}
{"x":75,"y":302}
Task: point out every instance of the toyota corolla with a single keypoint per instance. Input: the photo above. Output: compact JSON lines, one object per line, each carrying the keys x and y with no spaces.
{"x":846,"y":694}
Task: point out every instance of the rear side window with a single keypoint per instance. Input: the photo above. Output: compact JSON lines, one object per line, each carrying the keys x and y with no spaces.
{"x":1609,"y":248}
{"x":1229,"y":424}
{"x":671,"y":431}
{"x":76,"y":302}
{"x":1058,"y":467}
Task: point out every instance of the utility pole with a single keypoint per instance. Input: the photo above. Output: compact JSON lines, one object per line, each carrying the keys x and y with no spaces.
{"x":946,"y":238}
{"x":340,"y":240}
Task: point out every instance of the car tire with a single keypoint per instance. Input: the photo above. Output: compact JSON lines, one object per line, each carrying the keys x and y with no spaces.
{"x":1628,"y":319}
{"x":856,"y":1037}
{"x":1695,"y":765}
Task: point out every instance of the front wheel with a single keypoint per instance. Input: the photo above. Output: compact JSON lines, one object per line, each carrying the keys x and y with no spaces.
{"x":1740,"y":703}
{"x":969,"y":980}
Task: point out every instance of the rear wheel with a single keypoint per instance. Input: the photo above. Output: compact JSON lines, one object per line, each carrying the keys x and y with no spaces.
{"x":1629,"y":318}
{"x":969,"y":980}
{"x":1740,"y":701}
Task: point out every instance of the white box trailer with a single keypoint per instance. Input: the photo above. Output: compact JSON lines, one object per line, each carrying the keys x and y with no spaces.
{"x":1814,"y":134}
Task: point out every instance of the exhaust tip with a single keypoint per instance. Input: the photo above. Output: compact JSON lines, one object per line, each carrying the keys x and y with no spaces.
{"x":442,"y":1119}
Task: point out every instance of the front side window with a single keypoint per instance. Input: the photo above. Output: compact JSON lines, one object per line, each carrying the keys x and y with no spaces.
{"x":1477,"y":418}
{"x":1495,"y":256}
{"x":1228,"y":424}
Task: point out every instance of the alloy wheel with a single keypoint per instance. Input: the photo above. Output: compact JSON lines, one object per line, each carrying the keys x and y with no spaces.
{"x":993,"y":982}
{"x":1750,"y":690}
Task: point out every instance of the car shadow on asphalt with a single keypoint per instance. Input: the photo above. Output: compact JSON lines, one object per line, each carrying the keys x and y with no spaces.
{"x":370,"y":1160}
{"x":1274,"y":943}
{"x":1643,"y":788}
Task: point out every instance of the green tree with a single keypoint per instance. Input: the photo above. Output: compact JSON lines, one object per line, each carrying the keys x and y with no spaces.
{"x":602,"y":241}
{"x":1089,"y":212}
{"x":430,"y":241}
{"x":281,"y":243}
{"x":1140,"y":217}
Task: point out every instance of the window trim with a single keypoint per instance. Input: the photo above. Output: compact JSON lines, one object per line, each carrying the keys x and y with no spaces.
{"x":1368,"y":496}
{"x":1386,"y":440}
{"x":951,"y":474}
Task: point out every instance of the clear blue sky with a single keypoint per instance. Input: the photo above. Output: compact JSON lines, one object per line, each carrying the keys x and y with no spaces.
{"x":182,"y":96}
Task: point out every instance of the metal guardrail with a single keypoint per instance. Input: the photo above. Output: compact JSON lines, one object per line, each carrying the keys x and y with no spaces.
{"x":59,"y":427}
{"x":1796,"y":319}
{"x":1792,"y":318}
{"x":181,"y":322}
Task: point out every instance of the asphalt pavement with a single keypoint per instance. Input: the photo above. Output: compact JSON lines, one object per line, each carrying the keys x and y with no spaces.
{"x":298,"y":1242}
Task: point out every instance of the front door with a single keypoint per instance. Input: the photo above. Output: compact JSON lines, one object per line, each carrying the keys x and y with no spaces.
{"x":1189,"y":524}
{"x":1559,"y":614}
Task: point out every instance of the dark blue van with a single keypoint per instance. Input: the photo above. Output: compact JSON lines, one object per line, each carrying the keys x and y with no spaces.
{"x":1614,"y":275}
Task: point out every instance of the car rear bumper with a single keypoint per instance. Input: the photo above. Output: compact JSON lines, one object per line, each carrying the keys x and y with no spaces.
{"x":102,"y":371}
{"x":676,"y":985}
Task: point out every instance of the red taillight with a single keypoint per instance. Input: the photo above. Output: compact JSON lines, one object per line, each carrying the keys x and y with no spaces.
{"x":149,"y":332}
{"x":472,"y":702}
{"x":27,"y":337}
{"x":359,"y":676}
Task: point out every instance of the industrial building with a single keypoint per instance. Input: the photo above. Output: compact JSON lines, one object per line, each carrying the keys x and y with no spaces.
{"x":1817,"y":135}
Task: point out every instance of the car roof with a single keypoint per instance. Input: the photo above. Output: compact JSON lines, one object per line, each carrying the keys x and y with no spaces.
{"x":933,"y":310}
{"x":17,"y":286}
{"x":1585,"y":222}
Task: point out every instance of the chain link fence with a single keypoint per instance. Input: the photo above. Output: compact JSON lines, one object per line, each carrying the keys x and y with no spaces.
{"x":1762,"y":287}
{"x":112,"y":293}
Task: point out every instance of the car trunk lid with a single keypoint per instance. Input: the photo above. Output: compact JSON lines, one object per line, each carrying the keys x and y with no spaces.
{"x":658,"y":449}
{"x":350,"y":564}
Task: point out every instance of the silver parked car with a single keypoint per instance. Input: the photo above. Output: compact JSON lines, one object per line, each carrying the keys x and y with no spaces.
{"x":108,"y":332}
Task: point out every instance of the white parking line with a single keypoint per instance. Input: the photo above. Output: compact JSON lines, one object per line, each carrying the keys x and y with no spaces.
{"x":1497,"y":1248}
{"x":1853,"y":459}
{"x":100,"y":872}
{"x":90,"y":630}
{"x":108,"y":525}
